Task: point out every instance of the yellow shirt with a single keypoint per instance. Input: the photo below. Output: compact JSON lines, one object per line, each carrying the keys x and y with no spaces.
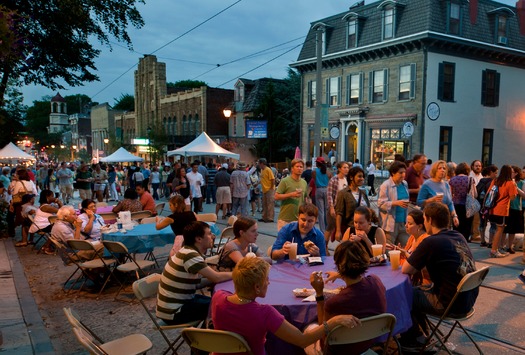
{"x":267,"y":180}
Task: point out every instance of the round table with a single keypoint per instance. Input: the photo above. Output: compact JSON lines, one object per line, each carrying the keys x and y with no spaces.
{"x":286,"y":276}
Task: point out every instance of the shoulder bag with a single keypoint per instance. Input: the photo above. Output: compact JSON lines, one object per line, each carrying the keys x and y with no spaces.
{"x":472,"y":205}
{"x":17,"y":198}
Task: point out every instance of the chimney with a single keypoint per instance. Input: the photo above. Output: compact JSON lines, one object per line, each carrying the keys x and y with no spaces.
{"x":473,"y":11}
{"x":520,"y":9}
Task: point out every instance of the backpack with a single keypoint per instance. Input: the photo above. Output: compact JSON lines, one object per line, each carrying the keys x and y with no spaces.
{"x":482,"y":187}
{"x":491,"y":197}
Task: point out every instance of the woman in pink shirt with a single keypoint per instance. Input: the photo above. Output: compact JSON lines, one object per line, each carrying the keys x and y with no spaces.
{"x":146,"y":200}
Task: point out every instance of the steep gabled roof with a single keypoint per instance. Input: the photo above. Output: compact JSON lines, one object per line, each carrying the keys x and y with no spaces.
{"x":257,"y":91}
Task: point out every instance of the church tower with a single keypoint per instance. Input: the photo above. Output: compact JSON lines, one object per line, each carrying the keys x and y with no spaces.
{"x":58,"y":118}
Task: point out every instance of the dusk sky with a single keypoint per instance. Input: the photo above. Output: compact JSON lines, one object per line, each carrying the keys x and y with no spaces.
{"x":248,"y":33}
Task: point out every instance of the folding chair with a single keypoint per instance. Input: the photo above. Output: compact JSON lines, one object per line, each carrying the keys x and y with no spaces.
{"x":126,"y":262}
{"x":148,"y":220}
{"x":371,"y":328}
{"x":52,"y":219}
{"x":207,"y":217}
{"x":218,"y":341}
{"x":131,"y":344}
{"x":226,"y":235}
{"x":147,"y":287}
{"x":108,"y":216}
{"x":62,"y":251}
{"x":75,"y":322}
{"x":140,"y":215}
{"x":95,"y":263}
{"x":231,"y":220}
{"x":160,"y":208}
{"x":41,"y":235}
{"x":469,"y":282}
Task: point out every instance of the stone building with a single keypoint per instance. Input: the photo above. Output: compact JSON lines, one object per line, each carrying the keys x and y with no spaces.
{"x":435,"y":76}
{"x":102,"y":127}
{"x":58,"y":117}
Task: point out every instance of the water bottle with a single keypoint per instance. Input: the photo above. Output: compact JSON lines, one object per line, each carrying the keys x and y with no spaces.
{"x":119,"y":224}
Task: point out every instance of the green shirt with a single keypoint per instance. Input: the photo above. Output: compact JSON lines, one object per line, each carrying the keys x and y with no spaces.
{"x":290,"y":206}
{"x":83,"y":185}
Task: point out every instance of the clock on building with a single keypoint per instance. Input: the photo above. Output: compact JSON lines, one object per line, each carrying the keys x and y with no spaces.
{"x":433,"y":111}
{"x":334,"y":132}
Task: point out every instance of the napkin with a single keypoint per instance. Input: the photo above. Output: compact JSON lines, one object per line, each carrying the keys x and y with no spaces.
{"x":310,"y":298}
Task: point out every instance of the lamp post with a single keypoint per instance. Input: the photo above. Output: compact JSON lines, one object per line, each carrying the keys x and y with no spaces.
{"x":148,"y":130}
{"x":106,"y":141}
{"x":227,"y":113}
{"x":73,"y":149}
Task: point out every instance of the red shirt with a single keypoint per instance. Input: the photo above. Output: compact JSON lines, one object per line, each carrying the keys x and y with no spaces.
{"x":414,"y":181}
{"x":148,"y":203}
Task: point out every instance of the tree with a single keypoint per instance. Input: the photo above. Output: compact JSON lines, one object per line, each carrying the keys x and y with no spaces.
{"x":11,"y":115}
{"x":78,"y":103}
{"x":187,"y":84}
{"x":48,"y":42}
{"x":126,"y":102}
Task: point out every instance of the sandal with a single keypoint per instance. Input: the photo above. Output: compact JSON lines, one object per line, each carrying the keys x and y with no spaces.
{"x":21,"y":244}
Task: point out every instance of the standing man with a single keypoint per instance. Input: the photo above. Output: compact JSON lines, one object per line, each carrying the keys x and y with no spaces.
{"x":84,"y":179}
{"x":475,"y":173}
{"x":211,"y":189}
{"x":240,"y":185}
{"x":307,"y":172}
{"x":196,"y":181}
{"x":224,"y":197}
{"x":446,"y":256}
{"x":146,"y":173}
{"x":268,"y":190}
{"x":414,"y":176}
{"x":64,"y":176}
{"x":370,"y":170}
{"x":292,"y":192}
{"x":204,"y":172}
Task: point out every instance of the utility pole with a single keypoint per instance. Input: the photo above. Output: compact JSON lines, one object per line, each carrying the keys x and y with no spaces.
{"x":320,"y":28}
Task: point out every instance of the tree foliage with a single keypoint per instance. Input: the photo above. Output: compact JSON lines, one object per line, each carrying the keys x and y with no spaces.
{"x":187,"y":84}
{"x":11,"y":115}
{"x":125,"y":102}
{"x":48,"y":42}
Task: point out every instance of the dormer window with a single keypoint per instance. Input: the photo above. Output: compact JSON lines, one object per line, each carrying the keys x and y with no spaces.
{"x":500,"y":17}
{"x":454,"y":19}
{"x":352,"y":34}
{"x":501,"y":30}
{"x":388,"y":18}
{"x":239,"y":93}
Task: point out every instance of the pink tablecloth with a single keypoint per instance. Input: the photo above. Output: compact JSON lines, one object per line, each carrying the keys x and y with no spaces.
{"x":286,"y":276}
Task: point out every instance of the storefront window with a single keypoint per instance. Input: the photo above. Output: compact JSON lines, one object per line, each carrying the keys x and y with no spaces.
{"x":383,"y":152}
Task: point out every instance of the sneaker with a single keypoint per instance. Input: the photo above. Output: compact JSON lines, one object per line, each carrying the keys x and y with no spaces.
{"x":522,"y":278}
{"x":496,"y":254}
{"x":503,"y":251}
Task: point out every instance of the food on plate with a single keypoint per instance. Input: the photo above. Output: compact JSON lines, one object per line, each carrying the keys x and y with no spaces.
{"x":305,"y":292}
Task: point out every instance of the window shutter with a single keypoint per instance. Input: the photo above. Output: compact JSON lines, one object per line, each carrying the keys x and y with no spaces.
{"x":327,"y":91}
{"x":339,"y":88}
{"x":483,"y":87}
{"x":385,"y":85}
{"x":441,"y":78}
{"x":452,"y":89}
{"x":361,"y":87}
{"x":412,"y":81}
{"x":371,"y":86}
{"x":496,"y":89}
{"x":309,"y":103}
{"x":348,"y":90}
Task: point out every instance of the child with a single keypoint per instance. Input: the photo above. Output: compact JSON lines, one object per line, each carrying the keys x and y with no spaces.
{"x":28,"y":208}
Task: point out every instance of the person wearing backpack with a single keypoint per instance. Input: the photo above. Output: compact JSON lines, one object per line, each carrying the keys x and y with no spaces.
{"x":489,"y":173}
{"x":500,"y":202}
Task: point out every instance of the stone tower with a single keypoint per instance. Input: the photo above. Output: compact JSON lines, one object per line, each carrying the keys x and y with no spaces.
{"x":58,"y":118}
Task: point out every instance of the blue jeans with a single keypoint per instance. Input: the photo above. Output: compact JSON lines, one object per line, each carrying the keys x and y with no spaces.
{"x":211,"y":193}
{"x":155,"y":187}
{"x":321,"y":201}
{"x":242,"y":203}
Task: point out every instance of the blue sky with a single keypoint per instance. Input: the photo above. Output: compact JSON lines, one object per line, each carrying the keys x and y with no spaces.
{"x":244,"y":29}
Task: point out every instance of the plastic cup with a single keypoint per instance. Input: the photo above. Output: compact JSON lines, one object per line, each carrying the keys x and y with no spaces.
{"x":292,"y":252}
{"x":377,"y":249}
{"x":394,"y":258}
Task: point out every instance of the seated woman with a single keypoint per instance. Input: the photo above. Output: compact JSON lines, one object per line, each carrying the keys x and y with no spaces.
{"x":178,"y":219}
{"x":91,"y":221}
{"x":28,"y":208}
{"x":363,"y":231}
{"x":129,"y":203}
{"x":49,"y":206}
{"x":240,"y":312}
{"x":363,"y":296}
{"x":245,"y":231}
{"x":416,"y":228}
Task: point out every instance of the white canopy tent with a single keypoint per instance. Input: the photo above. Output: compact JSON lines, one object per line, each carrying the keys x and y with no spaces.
{"x":12,"y":152}
{"x":203,"y":145}
{"x":121,"y":156}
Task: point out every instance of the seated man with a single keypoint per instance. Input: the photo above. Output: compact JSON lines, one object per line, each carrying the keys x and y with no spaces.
{"x":447,"y":257}
{"x":68,"y":226}
{"x":177,"y":302}
{"x":300,"y":232}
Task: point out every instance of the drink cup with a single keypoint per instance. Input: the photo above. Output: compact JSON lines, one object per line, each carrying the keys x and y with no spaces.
{"x":394,"y":258}
{"x":439,"y":195}
{"x":292,"y":252}
{"x":377,"y":249}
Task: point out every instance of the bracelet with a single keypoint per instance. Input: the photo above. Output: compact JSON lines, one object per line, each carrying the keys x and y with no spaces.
{"x":326,"y":329}
{"x":319,"y":298}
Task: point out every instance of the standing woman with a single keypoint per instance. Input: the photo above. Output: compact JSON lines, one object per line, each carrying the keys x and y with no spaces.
{"x":321,"y":175}
{"x":181,"y":186}
{"x":436,"y":189}
{"x":51,"y":180}
{"x":337,"y":183}
{"x":507,"y":191}
{"x":515,"y":223}
{"x":154,"y":180}
{"x":460,"y":185}
{"x":348,"y":200}
{"x":21,"y":184}
{"x":370,"y":169}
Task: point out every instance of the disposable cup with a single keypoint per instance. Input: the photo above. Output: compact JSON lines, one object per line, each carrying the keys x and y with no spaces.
{"x":377,"y":249}
{"x":394,"y":258}
{"x":292,"y":252}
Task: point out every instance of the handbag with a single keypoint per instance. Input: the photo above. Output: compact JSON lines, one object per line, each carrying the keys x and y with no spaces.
{"x":17,"y":198}
{"x":472,"y":205}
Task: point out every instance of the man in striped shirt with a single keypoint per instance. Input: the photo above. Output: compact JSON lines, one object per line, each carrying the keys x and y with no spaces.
{"x":183,"y":274}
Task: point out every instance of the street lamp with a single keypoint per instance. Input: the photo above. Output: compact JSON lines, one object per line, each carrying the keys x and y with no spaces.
{"x":73,"y":149}
{"x":106,"y":141}
{"x":227,"y":113}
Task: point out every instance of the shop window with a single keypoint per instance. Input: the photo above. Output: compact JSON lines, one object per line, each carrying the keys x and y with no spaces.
{"x":354,"y":89}
{"x":383,"y":151}
{"x":445,"y":143}
{"x":312,"y":99}
{"x":333,"y":91}
{"x":454,"y":18}
{"x":490,"y":88}
{"x":378,"y":86}
{"x":407,"y":82}
{"x":446,"y":79}
{"x":486,"y":149}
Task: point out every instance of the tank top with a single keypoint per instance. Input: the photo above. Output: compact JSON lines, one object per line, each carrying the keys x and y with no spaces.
{"x":371,"y":236}
{"x":321,"y":180}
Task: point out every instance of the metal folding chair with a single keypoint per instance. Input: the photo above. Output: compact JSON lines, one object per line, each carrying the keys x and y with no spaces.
{"x":218,"y":341}
{"x":207,"y":217}
{"x":225,"y":237}
{"x":159,"y":208}
{"x":138,"y":216}
{"x":41,"y":235}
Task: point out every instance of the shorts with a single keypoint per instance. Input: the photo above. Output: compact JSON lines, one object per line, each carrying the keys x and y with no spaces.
{"x":100,"y":187}
{"x":224,"y":195}
{"x":514,"y":222}
{"x":66,"y":189}
{"x":498,"y":220}
{"x":84,"y":194}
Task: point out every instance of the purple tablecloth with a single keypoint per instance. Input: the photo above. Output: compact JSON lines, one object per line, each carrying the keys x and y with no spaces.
{"x":142,"y":238}
{"x":286,"y":276}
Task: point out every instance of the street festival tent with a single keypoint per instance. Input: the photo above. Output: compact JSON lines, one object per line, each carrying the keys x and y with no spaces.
{"x":203,"y":145}
{"x":121,"y":156}
{"x":12,"y":152}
